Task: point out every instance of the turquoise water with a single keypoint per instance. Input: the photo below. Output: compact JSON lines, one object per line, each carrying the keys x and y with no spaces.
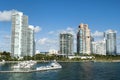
{"x":70,"y":71}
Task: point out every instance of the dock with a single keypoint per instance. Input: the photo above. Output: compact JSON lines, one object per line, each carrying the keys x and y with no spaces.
{"x":29,"y":71}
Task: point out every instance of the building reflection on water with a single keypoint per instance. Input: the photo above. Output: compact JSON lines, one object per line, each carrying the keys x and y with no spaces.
{"x":87,"y":71}
{"x":20,"y":76}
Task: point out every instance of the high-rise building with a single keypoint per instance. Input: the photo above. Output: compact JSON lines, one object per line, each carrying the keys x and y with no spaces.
{"x":34,"y":47}
{"x":83,"y":39}
{"x":111,"y":42}
{"x":21,"y":35}
{"x":30,"y":42}
{"x":66,"y":44}
{"x":99,"y":47}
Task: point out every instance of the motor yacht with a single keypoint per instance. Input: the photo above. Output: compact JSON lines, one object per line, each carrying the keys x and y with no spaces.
{"x":2,"y":62}
{"x":53,"y":65}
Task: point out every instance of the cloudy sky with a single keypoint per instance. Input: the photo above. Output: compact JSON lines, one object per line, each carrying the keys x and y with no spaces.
{"x":51,"y":17}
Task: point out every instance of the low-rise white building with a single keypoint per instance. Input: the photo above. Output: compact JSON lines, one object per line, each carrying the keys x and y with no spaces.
{"x":81,"y":57}
{"x":37,"y":52}
{"x":53,"y":51}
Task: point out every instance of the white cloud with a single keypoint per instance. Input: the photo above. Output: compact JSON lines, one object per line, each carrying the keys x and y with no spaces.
{"x":37,"y":29}
{"x":42,"y":41}
{"x":70,"y":30}
{"x":5,"y":15}
{"x":44,"y":44}
{"x":31,"y":27}
{"x":97,"y":34}
{"x":67,"y":30}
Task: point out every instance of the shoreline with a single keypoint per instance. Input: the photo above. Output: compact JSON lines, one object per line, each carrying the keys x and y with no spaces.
{"x":70,"y":61}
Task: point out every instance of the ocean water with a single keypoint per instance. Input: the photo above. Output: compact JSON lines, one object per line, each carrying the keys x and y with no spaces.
{"x":70,"y":71}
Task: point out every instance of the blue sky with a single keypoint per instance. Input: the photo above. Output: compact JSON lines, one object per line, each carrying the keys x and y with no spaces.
{"x":54,"y":16}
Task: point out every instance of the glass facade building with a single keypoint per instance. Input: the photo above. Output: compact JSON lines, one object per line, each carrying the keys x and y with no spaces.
{"x":66,"y":44}
{"x":111,"y":42}
{"x":83,"y":39}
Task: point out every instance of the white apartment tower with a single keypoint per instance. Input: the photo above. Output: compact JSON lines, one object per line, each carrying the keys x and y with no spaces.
{"x":22,"y":36}
{"x":30,"y":42}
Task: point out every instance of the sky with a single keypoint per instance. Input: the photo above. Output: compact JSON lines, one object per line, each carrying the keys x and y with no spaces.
{"x":51,"y":17}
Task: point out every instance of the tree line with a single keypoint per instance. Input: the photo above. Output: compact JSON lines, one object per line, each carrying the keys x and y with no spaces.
{"x":6,"y":56}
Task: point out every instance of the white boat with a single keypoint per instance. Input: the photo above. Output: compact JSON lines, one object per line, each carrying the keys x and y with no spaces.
{"x":53,"y":65}
{"x":2,"y":62}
